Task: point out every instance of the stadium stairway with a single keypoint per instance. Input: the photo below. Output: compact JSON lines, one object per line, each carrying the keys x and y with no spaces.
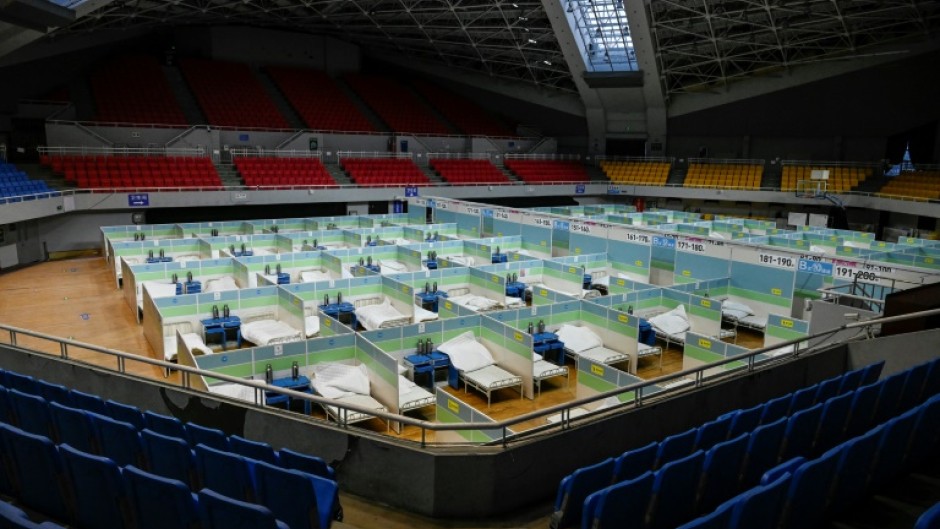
{"x":184,"y":95}
{"x":338,"y":174}
{"x":280,"y":102}
{"x":595,"y":174}
{"x":772,"y":177}
{"x":872,"y":184}
{"x":366,"y":111}
{"x":229,"y":175}
{"x":678,"y":172}
{"x":41,"y":172}
{"x":82,"y":98}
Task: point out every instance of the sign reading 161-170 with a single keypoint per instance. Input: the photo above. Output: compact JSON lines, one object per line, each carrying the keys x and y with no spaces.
{"x":780,"y":261}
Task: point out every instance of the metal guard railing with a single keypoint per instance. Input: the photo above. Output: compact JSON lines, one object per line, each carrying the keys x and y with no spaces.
{"x":697,"y":375}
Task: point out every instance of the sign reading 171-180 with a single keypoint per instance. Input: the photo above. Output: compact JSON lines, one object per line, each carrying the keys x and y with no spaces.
{"x":780,"y":261}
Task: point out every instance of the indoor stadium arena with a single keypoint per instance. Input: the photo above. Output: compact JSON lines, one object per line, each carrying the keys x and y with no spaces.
{"x":362,"y":264}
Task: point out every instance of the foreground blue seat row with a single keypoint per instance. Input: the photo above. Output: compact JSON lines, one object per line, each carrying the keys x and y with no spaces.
{"x":793,"y":427}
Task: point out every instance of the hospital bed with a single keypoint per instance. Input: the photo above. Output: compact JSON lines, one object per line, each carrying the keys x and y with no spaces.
{"x":740,"y":315}
{"x":346,"y":384}
{"x":311,"y":322}
{"x":220,"y":284}
{"x":265,"y":329}
{"x":461,"y":260}
{"x":464,"y":298}
{"x":581,"y":341}
{"x":314,"y":275}
{"x":391,"y":266}
{"x":475,"y":365}
{"x":543,"y":370}
{"x":412,"y":396}
{"x":671,"y":326}
{"x":378,"y":313}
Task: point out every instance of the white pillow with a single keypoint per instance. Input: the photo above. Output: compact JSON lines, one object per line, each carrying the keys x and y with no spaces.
{"x":312,"y":325}
{"x":578,"y":339}
{"x":342,"y":376}
{"x":329,"y":391}
{"x":673,"y":322}
{"x":466,"y":353}
{"x":728,"y":306}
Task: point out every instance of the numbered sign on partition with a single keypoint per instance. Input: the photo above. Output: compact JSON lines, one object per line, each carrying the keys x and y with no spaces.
{"x":777,"y":260}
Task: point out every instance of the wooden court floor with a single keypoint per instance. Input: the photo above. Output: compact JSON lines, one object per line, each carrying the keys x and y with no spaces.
{"x":77,"y":299}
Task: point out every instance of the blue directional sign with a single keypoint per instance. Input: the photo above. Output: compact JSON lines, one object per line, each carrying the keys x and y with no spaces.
{"x":579,"y":189}
{"x":138,"y":200}
{"x":411,"y":191}
{"x":815,"y":267}
{"x":664,"y":242}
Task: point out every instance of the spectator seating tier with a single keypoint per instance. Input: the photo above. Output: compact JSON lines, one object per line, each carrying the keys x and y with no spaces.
{"x":542,"y":171}
{"x":746,"y":176}
{"x":468,"y":171}
{"x":230,"y":95}
{"x":371,"y":172}
{"x":119,"y":171}
{"x":396,"y":105}
{"x":135,"y":90}
{"x":636,"y":172}
{"x":919,"y":184}
{"x":269,"y":171}
{"x":470,"y":118}
{"x":16,"y":183}
{"x":840,"y":178}
{"x":321,"y":104}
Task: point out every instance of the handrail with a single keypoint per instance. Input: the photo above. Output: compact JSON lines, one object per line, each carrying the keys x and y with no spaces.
{"x":810,"y":163}
{"x":698,"y":374}
{"x":274,"y":153}
{"x":122,"y":151}
{"x":378,"y":155}
{"x":554,"y":157}
{"x":728,"y":161}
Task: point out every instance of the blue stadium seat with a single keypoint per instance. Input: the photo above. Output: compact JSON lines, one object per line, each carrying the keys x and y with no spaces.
{"x":126,"y":413}
{"x":74,"y":427}
{"x":889,"y":397}
{"x":210,"y":437}
{"x":14,"y":518}
{"x":721,"y":472}
{"x":932,"y":383}
{"x":159,"y":503}
{"x":806,"y":499}
{"x":224,"y":472}
{"x":744,"y":421}
{"x":54,"y":392}
{"x":717,"y":519}
{"x":712,"y":433}
{"x":311,"y":504}
{"x":786,"y":467}
{"x":851,"y":380}
{"x":19,"y":382}
{"x":803,"y":398}
{"x":169,"y":457}
{"x":926,"y":437}
{"x":913,"y":386}
{"x":253,"y":449}
{"x":36,"y":471}
{"x":674,"y":490}
{"x":88,"y":402}
{"x":763,"y":451}
{"x":219,"y":512}
{"x":675,"y":447}
{"x":832,"y":423}
{"x":6,"y":410}
{"x":853,"y":470}
{"x":760,"y":506}
{"x":633,"y":463}
{"x":165,"y":425}
{"x":801,"y":432}
{"x":621,"y":505}
{"x":97,"y":489}
{"x":775,"y":409}
{"x":827,"y":389}
{"x":863,"y":408}
{"x":871,"y":373}
{"x":31,"y":412}
{"x":305,"y":463}
{"x":577,"y":486}
{"x":117,"y":440}
{"x":930,"y":519}
{"x":892,"y":447}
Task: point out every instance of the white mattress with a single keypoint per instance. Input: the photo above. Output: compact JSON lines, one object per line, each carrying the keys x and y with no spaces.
{"x":268,"y":332}
{"x":156,"y":290}
{"x":311,"y":326}
{"x":463,"y":260}
{"x":392,"y":266}
{"x":366,"y":401}
{"x":220,"y":284}
{"x":194,"y":343}
{"x":543,"y":369}
{"x":312,"y":276}
{"x":475,"y":302}
{"x":492,"y":377}
{"x":235,"y":391}
{"x":412,"y":396}
{"x":603,"y":355}
{"x":374,"y":316}
{"x":754,"y":321}
{"x":423,"y":315}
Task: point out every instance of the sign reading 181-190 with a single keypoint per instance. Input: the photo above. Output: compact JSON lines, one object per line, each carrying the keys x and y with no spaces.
{"x":780,"y":261}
